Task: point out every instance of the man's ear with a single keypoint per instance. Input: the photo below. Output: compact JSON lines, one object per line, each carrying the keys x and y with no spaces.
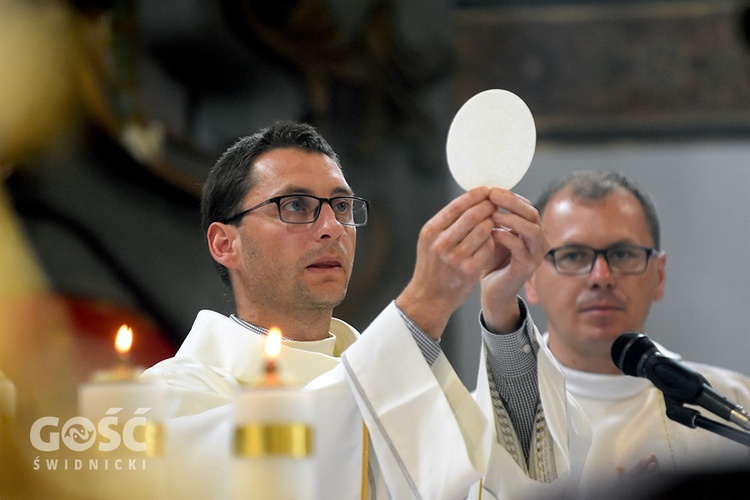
{"x":661,"y":264}
{"x":531,"y":295}
{"x":224,"y":244}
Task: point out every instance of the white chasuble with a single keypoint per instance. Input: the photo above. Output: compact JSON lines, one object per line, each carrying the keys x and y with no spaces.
{"x":428,"y":437}
{"x":629,"y":421}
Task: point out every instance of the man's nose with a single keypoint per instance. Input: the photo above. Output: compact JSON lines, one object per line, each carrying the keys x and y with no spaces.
{"x":601,"y":273}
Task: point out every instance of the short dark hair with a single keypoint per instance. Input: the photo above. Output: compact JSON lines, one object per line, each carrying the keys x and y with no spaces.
{"x":232,"y":176}
{"x":595,"y":185}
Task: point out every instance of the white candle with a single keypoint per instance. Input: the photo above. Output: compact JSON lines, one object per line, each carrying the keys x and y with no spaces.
{"x":125,"y":414}
{"x":120,"y":388}
{"x":273,"y":439}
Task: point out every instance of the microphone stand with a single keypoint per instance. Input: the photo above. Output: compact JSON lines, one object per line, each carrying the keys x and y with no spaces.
{"x":692,"y":418}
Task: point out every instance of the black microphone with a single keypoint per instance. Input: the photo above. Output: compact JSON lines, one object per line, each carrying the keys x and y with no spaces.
{"x":636,"y":355}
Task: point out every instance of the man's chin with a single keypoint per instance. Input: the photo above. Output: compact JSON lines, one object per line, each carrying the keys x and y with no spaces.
{"x":329,"y":299}
{"x":603,"y":336}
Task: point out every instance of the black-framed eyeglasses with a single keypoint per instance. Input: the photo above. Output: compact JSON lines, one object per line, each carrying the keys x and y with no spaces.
{"x":621,"y":258}
{"x":305,"y":209}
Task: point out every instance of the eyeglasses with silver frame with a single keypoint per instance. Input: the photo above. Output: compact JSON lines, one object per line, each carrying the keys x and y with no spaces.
{"x":621,"y":258}
{"x":305,"y":209}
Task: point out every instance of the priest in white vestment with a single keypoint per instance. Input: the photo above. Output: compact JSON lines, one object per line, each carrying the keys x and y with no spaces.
{"x":281,"y":224}
{"x":597,"y":282}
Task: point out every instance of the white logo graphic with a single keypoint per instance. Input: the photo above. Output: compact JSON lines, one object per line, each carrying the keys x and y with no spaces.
{"x":79,"y":433}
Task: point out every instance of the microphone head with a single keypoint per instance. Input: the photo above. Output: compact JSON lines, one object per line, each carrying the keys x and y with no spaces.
{"x":637,"y":355}
{"x":629,"y":351}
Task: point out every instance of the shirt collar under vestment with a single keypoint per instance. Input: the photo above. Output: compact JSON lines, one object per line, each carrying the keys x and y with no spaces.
{"x":605,"y":386}
{"x":325,"y":346}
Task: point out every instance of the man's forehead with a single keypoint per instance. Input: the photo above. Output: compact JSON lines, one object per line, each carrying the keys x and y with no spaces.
{"x":619,"y":217}
{"x":298,"y":171}
{"x":290,"y":157}
{"x":566,"y":201}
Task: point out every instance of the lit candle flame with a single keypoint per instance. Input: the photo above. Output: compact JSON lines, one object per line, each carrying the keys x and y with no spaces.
{"x":272,"y":352}
{"x":124,"y":340}
{"x":273,"y":343}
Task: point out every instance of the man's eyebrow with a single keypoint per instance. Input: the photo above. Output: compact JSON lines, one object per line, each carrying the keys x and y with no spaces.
{"x":343,"y":191}
{"x":622,"y":241}
{"x":339,"y":191}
